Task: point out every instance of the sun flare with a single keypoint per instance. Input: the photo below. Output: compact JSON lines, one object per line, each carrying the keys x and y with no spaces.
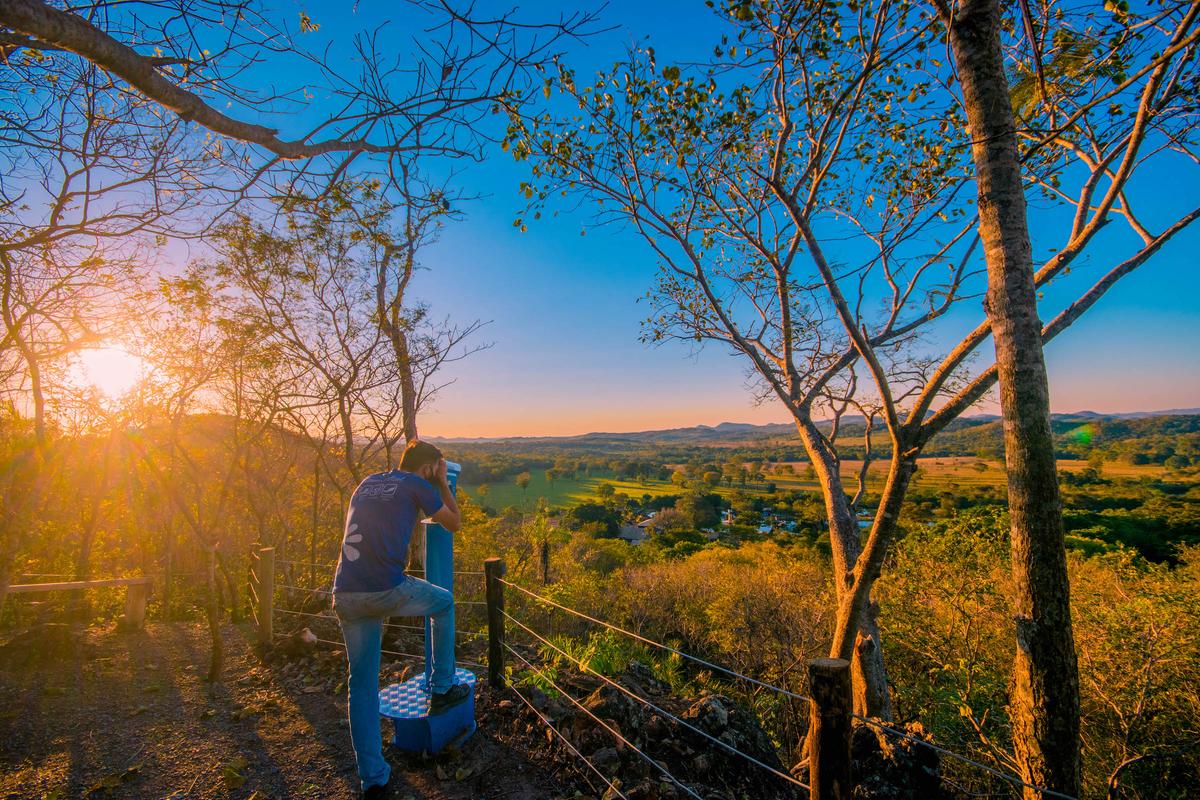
{"x":113,"y":371}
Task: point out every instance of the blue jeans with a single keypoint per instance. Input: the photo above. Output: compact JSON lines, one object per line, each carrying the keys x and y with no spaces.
{"x":361,"y":615}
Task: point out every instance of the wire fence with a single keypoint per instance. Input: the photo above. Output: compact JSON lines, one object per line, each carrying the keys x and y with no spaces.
{"x":541,"y":641}
{"x":1007,"y":777}
{"x":327,"y":615}
{"x":582,"y":666}
{"x":615,"y":733}
{"x":550,"y":725}
{"x":545,"y":645}
{"x":638,"y":637}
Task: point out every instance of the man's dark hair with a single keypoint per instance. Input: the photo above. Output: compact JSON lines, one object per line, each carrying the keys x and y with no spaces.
{"x":417,"y":454}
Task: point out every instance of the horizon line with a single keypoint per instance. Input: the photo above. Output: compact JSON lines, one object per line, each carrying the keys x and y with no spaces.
{"x":1180,"y":411}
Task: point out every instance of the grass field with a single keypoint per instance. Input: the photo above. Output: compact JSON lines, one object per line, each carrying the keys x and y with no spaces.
{"x":961,"y":471}
{"x":563,"y":492}
{"x":944,"y":472}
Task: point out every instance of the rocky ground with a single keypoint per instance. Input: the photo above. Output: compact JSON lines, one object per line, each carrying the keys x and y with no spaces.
{"x":102,"y":714}
{"x":98,"y":713}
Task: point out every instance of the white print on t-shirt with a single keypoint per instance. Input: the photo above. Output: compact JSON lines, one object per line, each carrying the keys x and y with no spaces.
{"x":377,"y":491}
{"x":348,"y":549}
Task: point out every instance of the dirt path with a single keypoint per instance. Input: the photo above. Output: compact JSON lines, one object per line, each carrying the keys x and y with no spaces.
{"x":129,"y":716}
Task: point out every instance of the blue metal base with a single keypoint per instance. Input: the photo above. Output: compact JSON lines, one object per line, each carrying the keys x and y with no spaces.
{"x":407,"y":705}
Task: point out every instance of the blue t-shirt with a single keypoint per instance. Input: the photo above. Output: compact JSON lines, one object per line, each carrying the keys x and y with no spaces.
{"x":379,"y":525}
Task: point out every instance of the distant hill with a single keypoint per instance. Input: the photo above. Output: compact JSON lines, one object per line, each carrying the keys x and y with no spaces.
{"x":1170,"y":412}
{"x":737,"y":433}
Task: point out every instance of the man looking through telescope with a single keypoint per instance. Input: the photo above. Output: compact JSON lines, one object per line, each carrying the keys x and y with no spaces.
{"x":371,"y":585}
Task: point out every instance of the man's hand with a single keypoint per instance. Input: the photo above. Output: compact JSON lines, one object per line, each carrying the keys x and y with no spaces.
{"x":448,"y":516}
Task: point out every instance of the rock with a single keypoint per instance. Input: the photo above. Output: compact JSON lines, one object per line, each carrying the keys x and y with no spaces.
{"x":655,"y":788}
{"x":710,"y":714}
{"x":656,"y":727}
{"x":608,"y":702}
{"x":641,"y":680}
{"x":539,"y":699}
{"x":726,"y":721}
{"x":890,"y":767}
{"x":301,"y":644}
{"x":712,"y":771}
{"x":606,"y":759}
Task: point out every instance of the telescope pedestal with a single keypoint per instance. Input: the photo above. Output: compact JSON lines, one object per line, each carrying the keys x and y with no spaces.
{"x":407,"y":706}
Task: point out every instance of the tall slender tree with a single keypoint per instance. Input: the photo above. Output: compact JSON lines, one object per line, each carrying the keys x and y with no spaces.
{"x":1044,"y":705}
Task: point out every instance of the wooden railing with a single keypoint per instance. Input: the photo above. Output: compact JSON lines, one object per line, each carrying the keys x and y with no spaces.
{"x":136,"y":594}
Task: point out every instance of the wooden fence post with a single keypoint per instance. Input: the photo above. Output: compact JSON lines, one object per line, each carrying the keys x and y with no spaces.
{"x":494,"y":570}
{"x":252,"y":570}
{"x":266,"y":594}
{"x":136,"y":595}
{"x":829,"y":729}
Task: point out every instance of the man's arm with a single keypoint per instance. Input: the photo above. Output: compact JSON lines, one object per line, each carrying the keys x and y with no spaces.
{"x":447,"y":516}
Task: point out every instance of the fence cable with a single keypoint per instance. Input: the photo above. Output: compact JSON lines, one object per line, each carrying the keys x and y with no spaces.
{"x":332,"y":564}
{"x":585,"y":668}
{"x":302,"y":589}
{"x":1005,"y":776}
{"x":331,"y":618}
{"x":329,"y":593}
{"x":659,"y":645}
{"x":616,"y":733}
{"x":421,"y":629}
{"x":388,"y":652}
{"x":325,"y":617}
{"x":567,"y":742}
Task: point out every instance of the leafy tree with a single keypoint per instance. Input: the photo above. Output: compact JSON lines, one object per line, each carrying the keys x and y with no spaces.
{"x":522,"y":480}
{"x":745,"y":181}
{"x":700,"y":510}
{"x":596,"y":513}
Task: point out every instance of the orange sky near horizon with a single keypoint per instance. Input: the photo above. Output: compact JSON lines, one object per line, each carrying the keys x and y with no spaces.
{"x":458,"y":417}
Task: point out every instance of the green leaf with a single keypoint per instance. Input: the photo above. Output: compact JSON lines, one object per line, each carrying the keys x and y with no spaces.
{"x":231,"y":773}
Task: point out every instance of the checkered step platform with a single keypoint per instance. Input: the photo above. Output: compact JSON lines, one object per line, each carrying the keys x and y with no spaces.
{"x":410,"y":700}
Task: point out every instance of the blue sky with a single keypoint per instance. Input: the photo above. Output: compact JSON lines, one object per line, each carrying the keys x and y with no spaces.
{"x":565,"y":315}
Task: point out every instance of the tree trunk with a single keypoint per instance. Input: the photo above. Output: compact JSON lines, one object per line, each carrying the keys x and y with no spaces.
{"x":1045,"y":701}
{"x":235,"y":597}
{"x":168,"y":568}
{"x":389,"y":309}
{"x":857,"y":631}
{"x":213,"y":613}
{"x":408,"y":389}
{"x":316,"y":522}
{"x":5,"y":580}
{"x":89,"y":526}
{"x":868,"y":672}
{"x":212,"y":607}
